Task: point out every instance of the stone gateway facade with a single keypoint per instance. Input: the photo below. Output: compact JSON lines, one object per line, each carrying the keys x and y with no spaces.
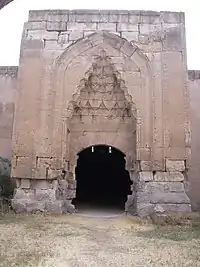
{"x":112,"y":78}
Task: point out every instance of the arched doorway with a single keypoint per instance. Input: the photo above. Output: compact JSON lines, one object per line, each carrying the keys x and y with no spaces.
{"x":102,"y":180}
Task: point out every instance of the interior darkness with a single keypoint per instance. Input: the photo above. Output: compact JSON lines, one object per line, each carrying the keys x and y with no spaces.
{"x":102,"y":180}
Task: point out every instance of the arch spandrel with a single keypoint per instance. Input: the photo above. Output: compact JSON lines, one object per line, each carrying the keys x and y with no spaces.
{"x":76,"y":61}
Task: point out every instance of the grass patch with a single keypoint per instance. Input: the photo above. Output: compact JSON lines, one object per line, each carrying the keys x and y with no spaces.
{"x":178,"y":218}
{"x":174,"y":233}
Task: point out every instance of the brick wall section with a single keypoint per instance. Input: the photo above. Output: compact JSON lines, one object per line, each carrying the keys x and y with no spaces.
{"x":194,"y":171}
{"x":7,"y":98}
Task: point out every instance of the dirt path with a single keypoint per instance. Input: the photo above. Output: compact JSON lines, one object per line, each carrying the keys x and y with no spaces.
{"x":81,"y":241}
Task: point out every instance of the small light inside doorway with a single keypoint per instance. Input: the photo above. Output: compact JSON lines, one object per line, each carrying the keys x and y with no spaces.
{"x":92,"y":149}
{"x":110,"y":149}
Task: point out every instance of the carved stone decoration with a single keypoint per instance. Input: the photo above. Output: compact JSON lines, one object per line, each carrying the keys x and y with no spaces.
{"x":102,"y":92}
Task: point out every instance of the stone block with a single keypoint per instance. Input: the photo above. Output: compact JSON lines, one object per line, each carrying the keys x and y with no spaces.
{"x":52,"y":45}
{"x":143,"y":196}
{"x":40,"y":35}
{"x":112,"y":40}
{"x":30,"y":44}
{"x":40,"y":184}
{"x":172,"y":17}
{"x":144,"y":29}
{"x":58,"y":15}
{"x":35,"y":25}
{"x":19,"y":205}
{"x":68,"y":207}
{"x":75,"y":35}
{"x":140,"y":186}
{"x":82,"y":16}
{"x":87,"y":26}
{"x":166,"y":187}
{"x":130,"y":206}
{"x":71,"y":184}
{"x":53,"y":174}
{"x":122,"y":16}
{"x":134,"y":17}
{"x":23,"y":168}
{"x":144,"y":209}
{"x":38,"y":15}
{"x":63,"y":38}
{"x":150,"y":17}
{"x":130,"y":36}
{"x":24,"y":193}
{"x":35,"y":206}
{"x":175,"y":207}
{"x":46,"y":194}
{"x":18,"y":182}
{"x":158,"y":36}
{"x":128,"y":48}
{"x":169,"y":198}
{"x":116,"y":33}
{"x":127,"y":27}
{"x":175,"y":165}
{"x":145,"y":176}
{"x":70,"y":194}
{"x":27,"y":206}
{"x":107,"y":27}
{"x":146,"y":165}
{"x":56,"y":26}
{"x":25,"y":183}
{"x":187,"y":186}
{"x":143,"y":39}
{"x":168,"y":176}
{"x":173,"y":40}
{"x":56,"y":207}
{"x":86,"y":33}
{"x":150,"y":28}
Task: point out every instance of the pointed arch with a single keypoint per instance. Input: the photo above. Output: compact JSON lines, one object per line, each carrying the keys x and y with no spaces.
{"x":133,"y":69}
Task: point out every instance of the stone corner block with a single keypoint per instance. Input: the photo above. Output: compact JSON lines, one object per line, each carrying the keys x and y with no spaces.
{"x":175,"y":165}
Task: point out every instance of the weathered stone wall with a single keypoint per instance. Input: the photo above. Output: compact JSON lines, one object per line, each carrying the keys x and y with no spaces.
{"x":160,"y":37}
{"x":8,"y":89}
{"x":194,"y":171}
{"x":148,"y":54}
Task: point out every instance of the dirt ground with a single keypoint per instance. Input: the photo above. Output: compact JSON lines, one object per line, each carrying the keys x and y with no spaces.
{"x":81,"y":241}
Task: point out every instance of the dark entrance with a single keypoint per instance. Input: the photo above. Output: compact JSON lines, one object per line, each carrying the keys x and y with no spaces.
{"x":102,"y":181}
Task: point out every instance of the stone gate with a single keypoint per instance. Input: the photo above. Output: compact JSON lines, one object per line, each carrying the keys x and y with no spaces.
{"x":115,"y":78}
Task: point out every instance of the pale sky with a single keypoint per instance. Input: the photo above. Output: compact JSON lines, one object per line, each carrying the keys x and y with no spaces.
{"x":15,"y":14}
